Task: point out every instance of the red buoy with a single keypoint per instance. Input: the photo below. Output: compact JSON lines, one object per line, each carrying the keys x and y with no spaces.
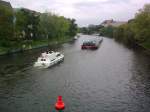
{"x":60,"y":105}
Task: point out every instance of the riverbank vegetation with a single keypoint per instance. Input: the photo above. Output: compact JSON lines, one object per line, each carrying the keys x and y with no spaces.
{"x":22,"y":29}
{"x":91,"y":29}
{"x":135,"y":32}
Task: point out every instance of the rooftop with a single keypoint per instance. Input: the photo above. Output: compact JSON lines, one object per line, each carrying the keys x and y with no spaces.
{"x":111,"y":22}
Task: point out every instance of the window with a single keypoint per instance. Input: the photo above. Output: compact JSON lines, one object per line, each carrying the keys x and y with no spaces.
{"x":57,"y":55}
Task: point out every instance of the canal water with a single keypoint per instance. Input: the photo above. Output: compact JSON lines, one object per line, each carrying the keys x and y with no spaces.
{"x":110,"y":79}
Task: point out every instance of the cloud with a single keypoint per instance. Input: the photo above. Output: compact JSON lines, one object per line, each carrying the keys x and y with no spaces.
{"x":85,"y":11}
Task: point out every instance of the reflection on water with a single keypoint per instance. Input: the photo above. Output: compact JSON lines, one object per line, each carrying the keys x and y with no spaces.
{"x":110,"y":79}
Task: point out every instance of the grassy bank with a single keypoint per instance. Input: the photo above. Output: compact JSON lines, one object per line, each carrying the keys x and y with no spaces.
{"x":33,"y":45}
{"x":146,"y":45}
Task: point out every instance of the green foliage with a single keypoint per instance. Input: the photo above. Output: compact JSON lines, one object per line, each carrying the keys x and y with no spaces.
{"x":84,"y":30}
{"x":26,"y":25}
{"x":6,"y":22}
{"x":107,"y":31}
{"x":91,"y":29}
{"x":136,"y":31}
{"x":141,"y":25}
{"x":25,"y":28}
{"x":72,"y":28}
{"x":47,"y":25}
{"x":146,"y":44}
{"x":52,"y":26}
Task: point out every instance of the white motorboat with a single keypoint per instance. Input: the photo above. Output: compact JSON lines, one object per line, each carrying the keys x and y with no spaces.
{"x":76,"y":37}
{"x":49,"y":59}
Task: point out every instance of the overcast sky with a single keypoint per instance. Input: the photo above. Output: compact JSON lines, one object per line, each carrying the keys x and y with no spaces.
{"x":86,"y":11}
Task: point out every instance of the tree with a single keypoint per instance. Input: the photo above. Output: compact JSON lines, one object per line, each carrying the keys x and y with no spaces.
{"x":91,"y":29}
{"x":141,"y":26}
{"x":56,"y":27}
{"x":107,"y":31}
{"x":48,"y":25}
{"x":6,"y":23}
{"x":26,"y":25}
{"x":73,"y":27}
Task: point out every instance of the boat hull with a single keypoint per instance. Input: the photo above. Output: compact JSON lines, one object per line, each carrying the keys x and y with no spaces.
{"x":89,"y":47}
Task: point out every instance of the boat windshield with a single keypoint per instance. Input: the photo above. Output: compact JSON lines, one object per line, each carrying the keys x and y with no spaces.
{"x":57,"y":55}
{"x":50,"y":52}
{"x":89,"y":43}
{"x":52,"y":59}
{"x":43,"y":59}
